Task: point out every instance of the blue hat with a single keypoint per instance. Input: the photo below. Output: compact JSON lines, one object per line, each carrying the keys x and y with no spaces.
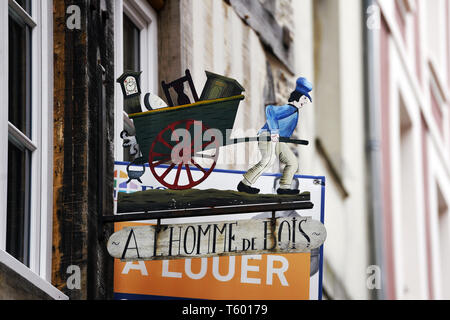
{"x":304,"y":87}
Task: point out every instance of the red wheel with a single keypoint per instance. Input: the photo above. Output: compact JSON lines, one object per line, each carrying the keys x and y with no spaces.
{"x":183,"y":153}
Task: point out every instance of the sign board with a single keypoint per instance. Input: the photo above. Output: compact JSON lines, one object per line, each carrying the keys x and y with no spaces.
{"x":282,"y":235}
{"x":296,"y":276}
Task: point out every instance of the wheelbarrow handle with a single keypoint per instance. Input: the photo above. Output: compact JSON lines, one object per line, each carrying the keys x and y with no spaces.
{"x":294,"y":141}
{"x":268,"y":138}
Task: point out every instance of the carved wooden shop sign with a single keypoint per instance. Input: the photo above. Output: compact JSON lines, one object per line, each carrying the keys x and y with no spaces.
{"x":179,"y":241}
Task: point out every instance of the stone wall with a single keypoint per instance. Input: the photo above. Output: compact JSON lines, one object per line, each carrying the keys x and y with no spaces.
{"x":228,"y":39}
{"x":15,"y":287}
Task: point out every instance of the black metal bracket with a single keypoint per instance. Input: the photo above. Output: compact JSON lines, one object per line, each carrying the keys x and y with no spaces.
{"x":211,"y":211}
{"x":160,"y":211}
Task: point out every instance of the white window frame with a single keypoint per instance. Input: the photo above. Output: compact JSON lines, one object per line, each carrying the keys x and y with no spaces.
{"x":436,"y":178}
{"x":40,"y":145}
{"x":145,"y":18}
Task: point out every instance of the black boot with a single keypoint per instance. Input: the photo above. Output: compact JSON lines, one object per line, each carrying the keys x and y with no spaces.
{"x":291,"y":192}
{"x":242,"y":187}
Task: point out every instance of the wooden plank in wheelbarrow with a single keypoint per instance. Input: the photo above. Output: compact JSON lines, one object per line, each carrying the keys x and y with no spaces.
{"x":156,"y":200}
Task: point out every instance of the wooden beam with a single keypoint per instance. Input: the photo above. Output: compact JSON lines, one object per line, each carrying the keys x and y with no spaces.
{"x":193,"y":199}
{"x":77,"y":145}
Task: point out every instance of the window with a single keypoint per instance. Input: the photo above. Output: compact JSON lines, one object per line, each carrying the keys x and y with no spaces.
{"x":25,"y":4}
{"x":20,"y":147}
{"x":131,"y":45}
{"x":18,"y":218}
{"x":131,"y":62}
{"x":328,"y":95}
{"x":435,"y":32}
{"x":444,"y":241}
{"x":136,"y":50}
{"x":409,"y":230}
{"x":25,"y":145}
{"x":400,"y":14}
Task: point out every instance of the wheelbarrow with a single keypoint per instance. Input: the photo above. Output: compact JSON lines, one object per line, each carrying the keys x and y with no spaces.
{"x":156,"y":131}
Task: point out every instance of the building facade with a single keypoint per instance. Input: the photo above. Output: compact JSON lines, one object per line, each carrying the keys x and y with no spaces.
{"x":378,"y":127}
{"x":26,"y":143}
{"x":411,"y":76}
{"x":66,"y":113}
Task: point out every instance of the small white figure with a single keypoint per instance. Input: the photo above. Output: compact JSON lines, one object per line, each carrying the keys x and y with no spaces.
{"x":130,"y":141}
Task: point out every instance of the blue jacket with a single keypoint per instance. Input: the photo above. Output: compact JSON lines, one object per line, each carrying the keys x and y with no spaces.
{"x":281,"y":120}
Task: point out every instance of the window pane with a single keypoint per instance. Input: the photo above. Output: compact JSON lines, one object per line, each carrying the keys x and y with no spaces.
{"x":131,"y":45}
{"x":19,"y":76}
{"x":132,"y":62}
{"x":25,"y":4}
{"x":18,"y":208}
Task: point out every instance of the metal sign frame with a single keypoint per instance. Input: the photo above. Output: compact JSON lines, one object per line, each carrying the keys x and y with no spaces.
{"x":233,"y":210}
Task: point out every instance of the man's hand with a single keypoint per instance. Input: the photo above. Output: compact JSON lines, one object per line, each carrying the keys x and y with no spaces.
{"x":274,"y":137}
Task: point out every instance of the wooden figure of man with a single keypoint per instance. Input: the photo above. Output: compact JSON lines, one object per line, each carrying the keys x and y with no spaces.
{"x":281,"y":122}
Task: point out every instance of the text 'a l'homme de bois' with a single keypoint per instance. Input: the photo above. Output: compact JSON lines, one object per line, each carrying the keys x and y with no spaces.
{"x":283,"y":235}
